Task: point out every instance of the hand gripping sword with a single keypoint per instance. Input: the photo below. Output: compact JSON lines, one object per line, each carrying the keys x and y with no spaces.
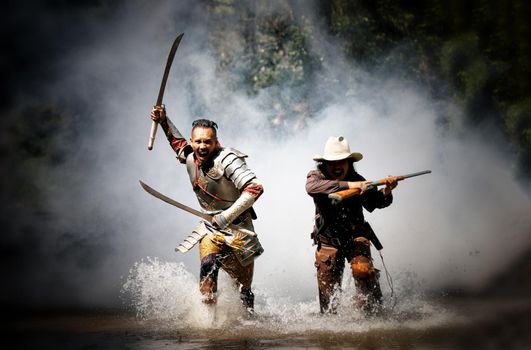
{"x":206,"y":217}
{"x":246,"y":244}
{"x":171,"y":55}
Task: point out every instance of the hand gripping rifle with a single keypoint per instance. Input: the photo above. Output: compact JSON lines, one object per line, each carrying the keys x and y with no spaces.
{"x":340,"y":195}
{"x":171,"y":55}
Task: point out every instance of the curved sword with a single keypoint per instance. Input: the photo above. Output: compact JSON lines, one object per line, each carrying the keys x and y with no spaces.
{"x":171,"y":55}
{"x":206,"y":217}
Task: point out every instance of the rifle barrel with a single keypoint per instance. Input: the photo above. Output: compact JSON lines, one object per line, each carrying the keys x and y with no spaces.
{"x":400,"y":178}
{"x":416,"y":174}
{"x":340,"y":195}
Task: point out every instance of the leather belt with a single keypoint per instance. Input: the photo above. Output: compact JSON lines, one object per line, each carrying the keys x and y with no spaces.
{"x":334,"y":241}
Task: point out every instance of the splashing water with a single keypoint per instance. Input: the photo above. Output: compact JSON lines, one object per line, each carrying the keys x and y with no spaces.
{"x":168,"y":294}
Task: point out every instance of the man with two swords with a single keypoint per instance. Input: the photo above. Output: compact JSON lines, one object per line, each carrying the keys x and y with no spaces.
{"x":226,"y":189}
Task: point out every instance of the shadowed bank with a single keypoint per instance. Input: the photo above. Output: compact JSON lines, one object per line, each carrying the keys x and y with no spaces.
{"x":475,"y":323}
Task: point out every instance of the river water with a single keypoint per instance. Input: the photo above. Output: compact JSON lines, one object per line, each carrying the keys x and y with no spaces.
{"x":454,"y":324}
{"x":162,"y":310}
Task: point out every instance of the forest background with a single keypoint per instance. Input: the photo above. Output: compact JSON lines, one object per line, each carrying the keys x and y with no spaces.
{"x":475,"y":54}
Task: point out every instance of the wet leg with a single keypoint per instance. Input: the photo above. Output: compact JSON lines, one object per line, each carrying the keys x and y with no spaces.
{"x":366,"y":278}
{"x":329,"y":273}
{"x":243,"y":278}
{"x":208,"y":278}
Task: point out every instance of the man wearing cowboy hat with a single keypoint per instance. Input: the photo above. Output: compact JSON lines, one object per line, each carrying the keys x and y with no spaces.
{"x":341,"y":232}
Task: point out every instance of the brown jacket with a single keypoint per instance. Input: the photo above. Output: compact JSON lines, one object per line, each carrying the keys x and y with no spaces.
{"x":345,"y":219}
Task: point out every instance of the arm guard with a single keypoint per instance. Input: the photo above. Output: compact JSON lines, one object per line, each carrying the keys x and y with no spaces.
{"x":243,"y":203}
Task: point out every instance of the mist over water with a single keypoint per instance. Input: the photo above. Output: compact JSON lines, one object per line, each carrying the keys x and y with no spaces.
{"x":166,"y":292}
{"x":458,"y":226}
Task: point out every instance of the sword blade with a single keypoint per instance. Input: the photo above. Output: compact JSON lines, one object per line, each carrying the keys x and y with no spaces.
{"x":169,"y":61}
{"x":186,"y":208}
{"x":173,"y":202}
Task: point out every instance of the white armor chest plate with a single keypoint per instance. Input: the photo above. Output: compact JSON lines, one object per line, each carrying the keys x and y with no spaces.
{"x":215,"y":184}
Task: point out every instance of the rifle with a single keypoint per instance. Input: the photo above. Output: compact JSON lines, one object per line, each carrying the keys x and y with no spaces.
{"x":340,"y":195}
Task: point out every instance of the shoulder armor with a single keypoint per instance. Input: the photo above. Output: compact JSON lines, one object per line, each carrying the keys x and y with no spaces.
{"x":232,"y":162}
{"x":185,"y":153}
{"x":228,"y":151}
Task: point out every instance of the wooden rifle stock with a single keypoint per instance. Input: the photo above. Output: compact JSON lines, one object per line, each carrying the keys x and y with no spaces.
{"x":340,"y":195}
{"x":344,"y":194}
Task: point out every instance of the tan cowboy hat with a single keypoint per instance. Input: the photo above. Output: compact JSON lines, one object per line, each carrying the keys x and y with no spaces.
{"x":337,"y":148}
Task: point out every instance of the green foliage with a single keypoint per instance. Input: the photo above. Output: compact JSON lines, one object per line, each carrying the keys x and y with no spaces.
{"x":476,"y":52}
{"x":221,"y":8}
{"x":470,"y":74}
{"x":263,"y":46}
{"x":518,"y":121}
{"x":479,"y":49}
{"x":280,"y":56}
{"x":258,"y":48}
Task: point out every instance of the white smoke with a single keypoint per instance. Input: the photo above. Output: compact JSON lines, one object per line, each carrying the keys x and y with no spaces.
{"x":459,"y":225}
{"x":165,"y":294}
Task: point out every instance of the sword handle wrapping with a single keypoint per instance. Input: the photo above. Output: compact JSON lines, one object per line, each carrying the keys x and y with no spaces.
{"x":152,"y":134}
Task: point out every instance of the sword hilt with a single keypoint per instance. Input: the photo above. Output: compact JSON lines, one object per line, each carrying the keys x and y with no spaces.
{"x":152,"y":135}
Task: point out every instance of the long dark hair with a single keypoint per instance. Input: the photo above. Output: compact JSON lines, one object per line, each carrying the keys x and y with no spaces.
{"x":351,"y":172}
